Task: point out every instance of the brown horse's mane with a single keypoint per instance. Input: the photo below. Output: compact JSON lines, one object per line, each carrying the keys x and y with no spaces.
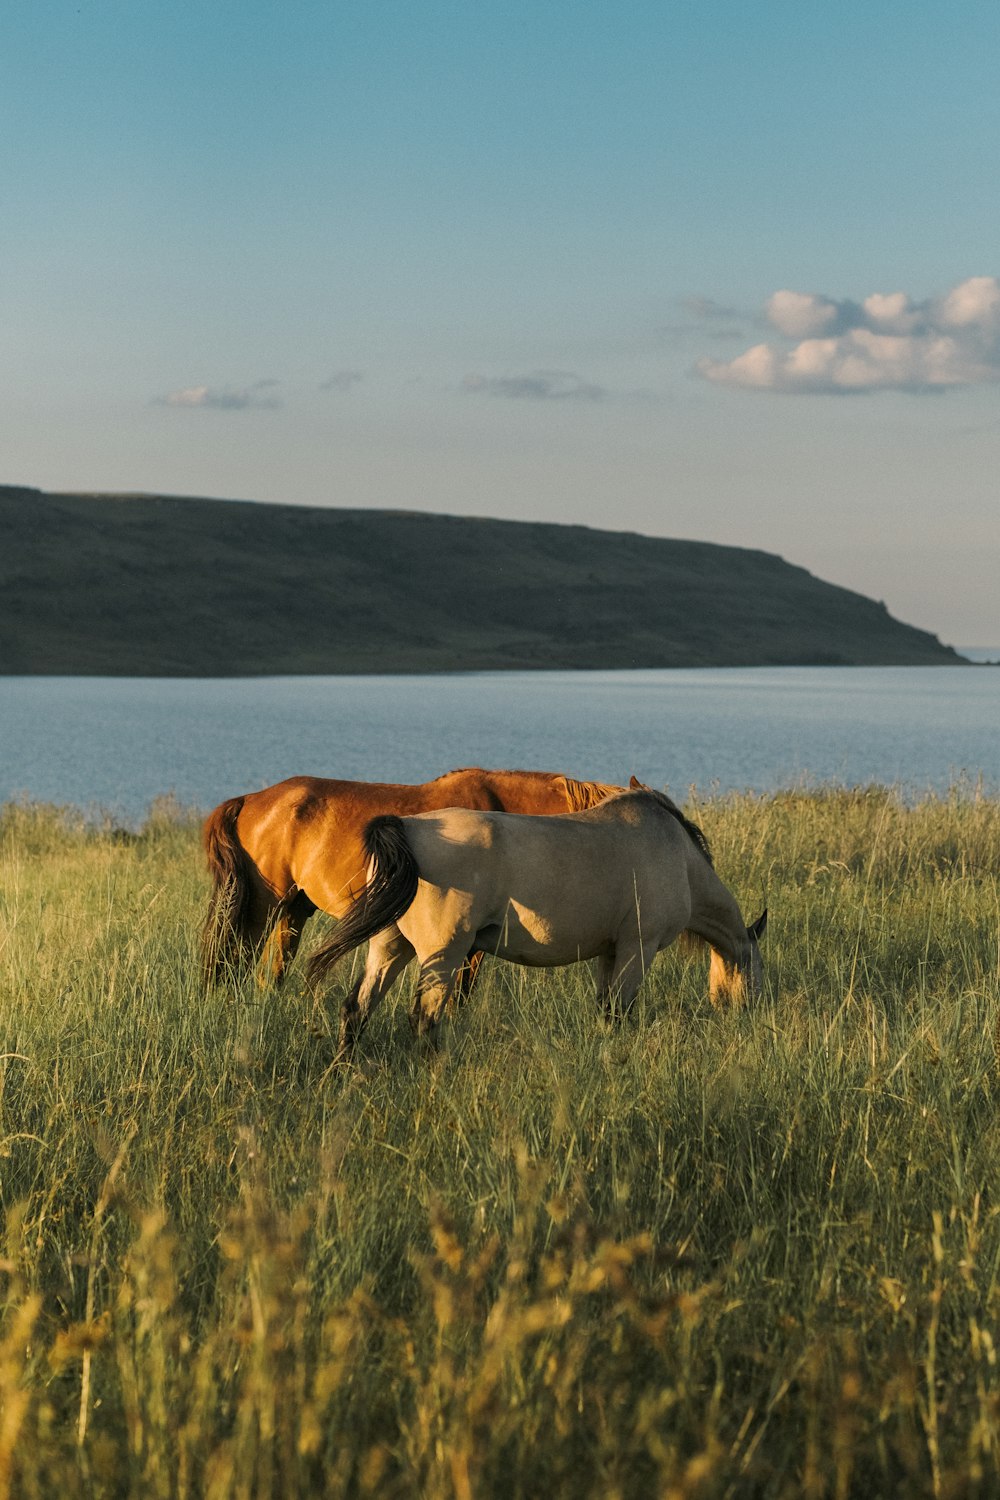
{"x":586,"y":794}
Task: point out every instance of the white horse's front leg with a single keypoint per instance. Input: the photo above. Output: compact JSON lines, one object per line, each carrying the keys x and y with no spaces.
{"x":632,"y":962}
{"x":605,"y":969}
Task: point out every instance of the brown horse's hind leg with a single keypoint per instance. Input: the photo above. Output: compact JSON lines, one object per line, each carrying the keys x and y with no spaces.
{"x":281,"y":945}
{"x":236,"y":931}
{"x":467,"y":976}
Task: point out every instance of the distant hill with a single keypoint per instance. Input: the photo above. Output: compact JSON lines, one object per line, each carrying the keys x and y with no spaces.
{"x":138,"y":585}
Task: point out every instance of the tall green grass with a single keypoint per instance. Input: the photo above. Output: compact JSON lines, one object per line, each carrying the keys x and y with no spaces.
{"x":702,"y":1254}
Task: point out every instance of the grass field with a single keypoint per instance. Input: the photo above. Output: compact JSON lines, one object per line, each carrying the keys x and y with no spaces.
{"x":702,"y":1254}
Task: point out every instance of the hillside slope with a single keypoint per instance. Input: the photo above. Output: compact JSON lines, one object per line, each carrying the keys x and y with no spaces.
{"x":156,"y":585}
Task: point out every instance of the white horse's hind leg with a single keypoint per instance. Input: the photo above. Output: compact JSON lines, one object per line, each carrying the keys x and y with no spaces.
{"x":438,"y":984}
{"x":388,"y":954}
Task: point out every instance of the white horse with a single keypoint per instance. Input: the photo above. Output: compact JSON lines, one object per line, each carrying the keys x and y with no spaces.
{"x":618,"y":883}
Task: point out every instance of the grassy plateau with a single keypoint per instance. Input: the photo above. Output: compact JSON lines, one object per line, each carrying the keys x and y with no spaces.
{"x":751,"y":1253}
{"x":158,"y":585}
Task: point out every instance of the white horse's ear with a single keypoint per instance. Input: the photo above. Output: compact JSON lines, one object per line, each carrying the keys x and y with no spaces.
{"x":757,"y":930}
{"x":634,"y":784}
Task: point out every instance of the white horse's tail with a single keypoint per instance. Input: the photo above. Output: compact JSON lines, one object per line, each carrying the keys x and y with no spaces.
{"x":388,"y":894}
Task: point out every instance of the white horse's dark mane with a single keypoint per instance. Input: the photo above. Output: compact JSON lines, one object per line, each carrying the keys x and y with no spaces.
{"x":694,"y":833}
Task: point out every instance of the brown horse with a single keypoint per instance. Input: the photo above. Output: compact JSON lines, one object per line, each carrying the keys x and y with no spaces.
{"x":276,"y":856}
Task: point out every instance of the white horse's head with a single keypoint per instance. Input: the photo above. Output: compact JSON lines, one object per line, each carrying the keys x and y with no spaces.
{"x":742,"y":979}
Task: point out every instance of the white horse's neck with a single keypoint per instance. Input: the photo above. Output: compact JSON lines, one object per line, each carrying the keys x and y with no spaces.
{"x":716,"y":918}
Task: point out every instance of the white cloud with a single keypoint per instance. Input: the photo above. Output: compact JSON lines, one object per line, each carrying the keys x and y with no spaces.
{"x":226,"y":398}
{"x":800,"y":316}
{"x":540,"y":385}
{"x":887,"y":342}
{"x":892,"y":313}
{"x":972,"y":304}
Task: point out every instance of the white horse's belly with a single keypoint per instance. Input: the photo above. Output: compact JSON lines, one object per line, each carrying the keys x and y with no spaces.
{"x":525,"y":936}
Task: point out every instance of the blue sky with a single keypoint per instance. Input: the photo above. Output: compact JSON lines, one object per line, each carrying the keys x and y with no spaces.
{"x":701,"y":270}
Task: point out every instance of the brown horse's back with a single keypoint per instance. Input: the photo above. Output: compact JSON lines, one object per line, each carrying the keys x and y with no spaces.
{"x":305,"y":833}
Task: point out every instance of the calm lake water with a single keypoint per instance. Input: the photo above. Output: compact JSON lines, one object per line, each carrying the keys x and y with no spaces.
{"x":117,"y":743}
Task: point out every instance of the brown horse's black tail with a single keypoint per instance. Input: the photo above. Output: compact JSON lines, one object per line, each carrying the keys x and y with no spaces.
{"x":226,"y":938}
{"x":386,"y":897}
